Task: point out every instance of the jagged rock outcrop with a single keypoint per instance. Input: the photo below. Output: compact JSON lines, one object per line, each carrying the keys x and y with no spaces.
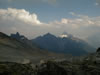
{"x":98,"y":50}
{"x":11,"y":68}
{"x":50,"y":68}
{"x":90,"y":65}
{"x":98,"y":55}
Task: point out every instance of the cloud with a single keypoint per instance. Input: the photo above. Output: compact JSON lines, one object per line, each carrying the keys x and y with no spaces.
{"x":14,"y":20}
{"x":19,"y":20}
{"x":82,"y":26}
{"x":82,"y":21}
{"x":96,"y":4}
{"x":19,"y":15}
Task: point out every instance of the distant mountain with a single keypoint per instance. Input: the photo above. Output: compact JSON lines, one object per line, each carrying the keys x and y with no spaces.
{"x":22,"y":39}
{"x":18,"y":36}
{"x":65,"y":43}
{"x":94,"y":40}
{"x":16,"y":50}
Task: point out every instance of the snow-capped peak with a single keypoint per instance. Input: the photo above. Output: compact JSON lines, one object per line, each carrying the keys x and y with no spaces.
{"x":63,"y":36}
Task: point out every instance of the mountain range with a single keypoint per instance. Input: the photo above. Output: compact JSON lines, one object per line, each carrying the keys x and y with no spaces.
{"x":17,"y":50}
{"x":65,"y":43}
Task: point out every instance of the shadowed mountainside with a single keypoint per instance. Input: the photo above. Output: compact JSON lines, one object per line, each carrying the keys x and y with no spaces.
{"x":12,"y":49}
{"x":64,"y":44}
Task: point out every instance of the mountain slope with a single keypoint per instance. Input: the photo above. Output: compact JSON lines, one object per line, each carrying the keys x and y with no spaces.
{"x":22,"y":39}
{"x":12,"y":49}
{"x":65,"y":44}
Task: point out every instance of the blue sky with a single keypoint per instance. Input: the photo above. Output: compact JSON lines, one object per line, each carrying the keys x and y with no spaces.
{"x":32,"y":18}
{"x":49,"y":10}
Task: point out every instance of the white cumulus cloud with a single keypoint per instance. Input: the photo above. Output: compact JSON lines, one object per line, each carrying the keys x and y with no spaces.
{"x":19,"y":14}
{"x":19,"y":20}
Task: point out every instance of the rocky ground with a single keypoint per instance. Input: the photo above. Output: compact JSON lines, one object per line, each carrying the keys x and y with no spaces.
{"x":11,"y":68}
{"x":50,"y":68}
{"x":88,"y":66}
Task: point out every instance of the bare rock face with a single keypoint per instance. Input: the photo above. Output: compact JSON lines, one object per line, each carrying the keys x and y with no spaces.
{"x":98,"y":50}
{"x":98,"y":55}
{"x":50,"y":68}
{"x":11,"y":68}
{"x":68,"y":68}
